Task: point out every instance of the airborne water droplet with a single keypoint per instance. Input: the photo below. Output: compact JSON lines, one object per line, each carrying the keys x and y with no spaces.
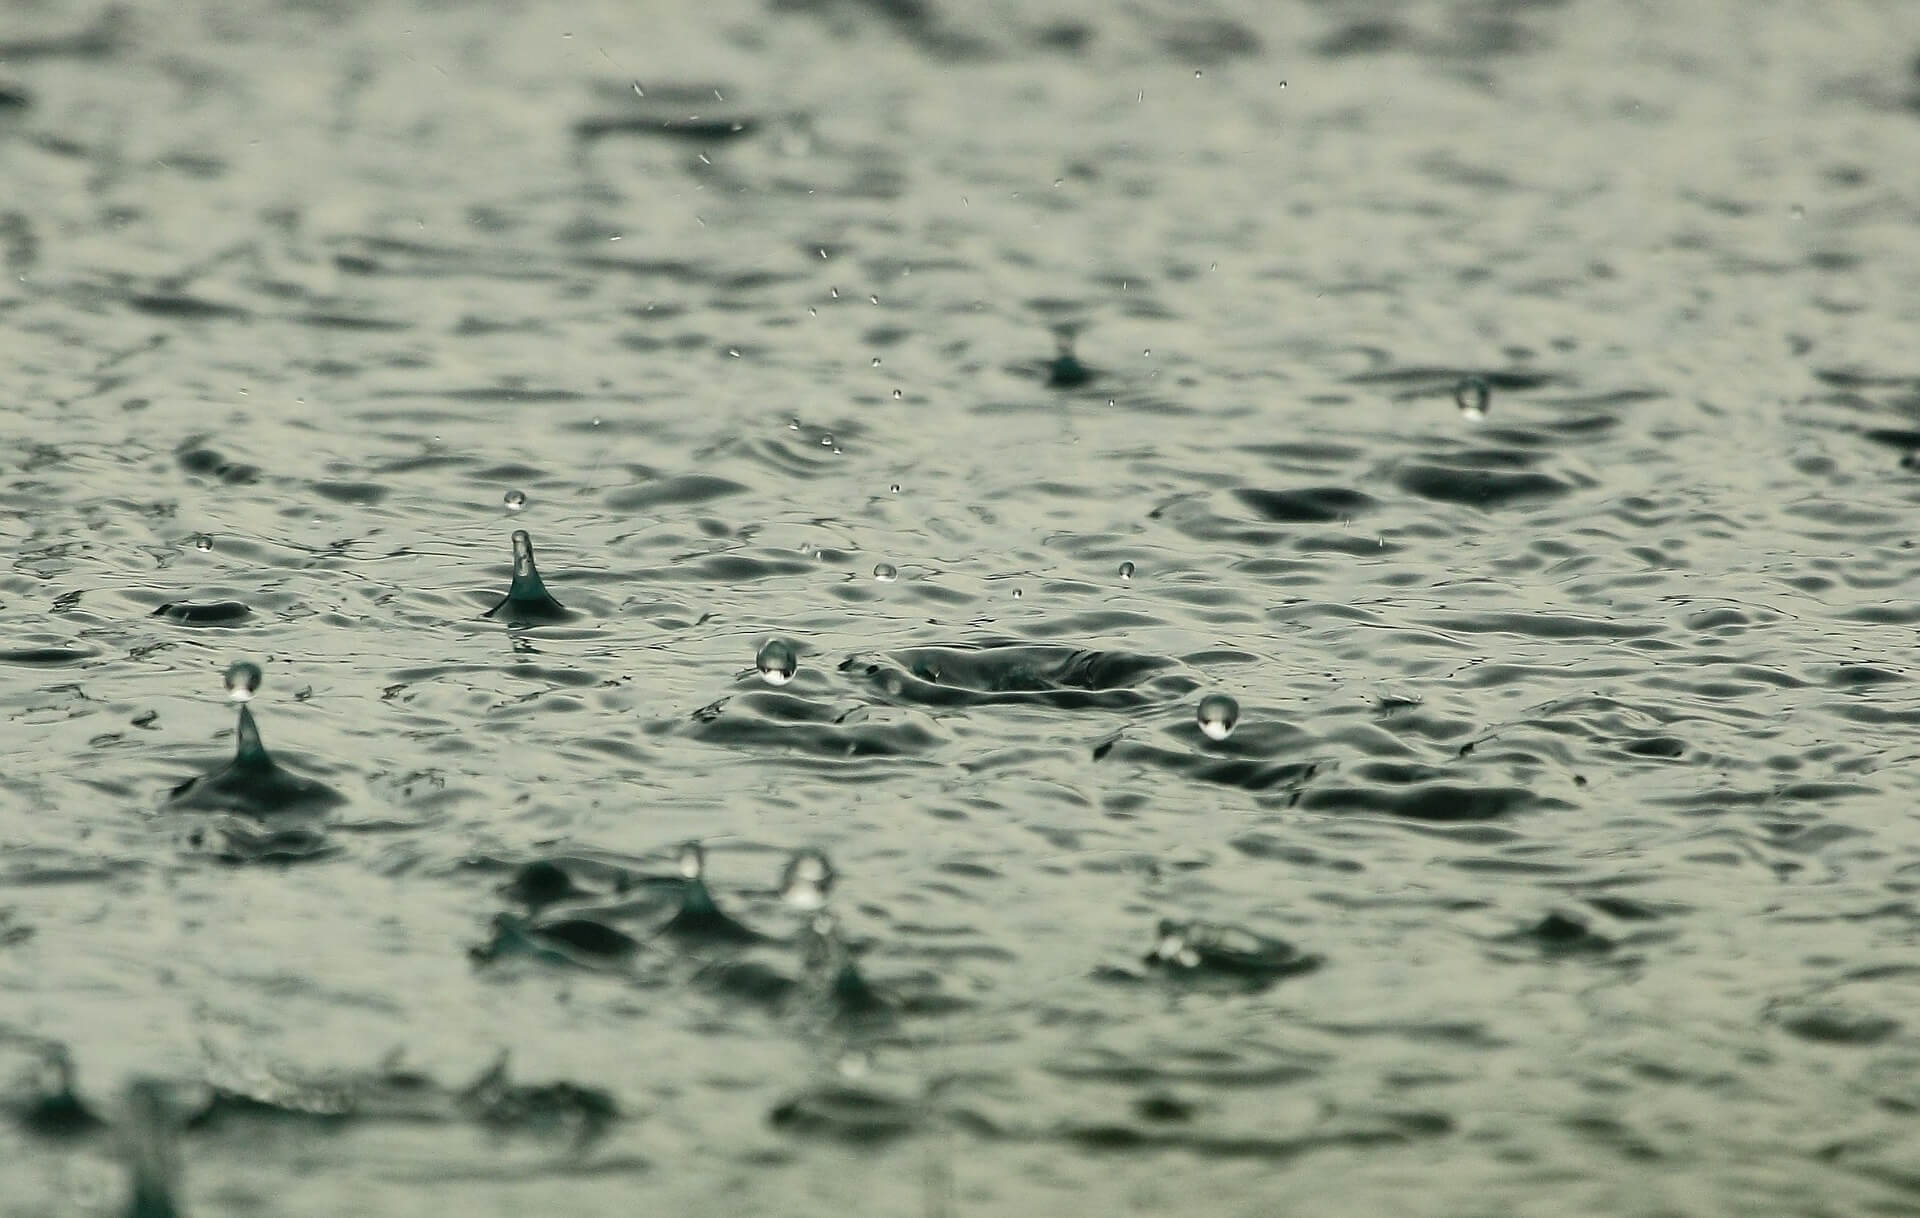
{"x":875,"y":363}
{"x":895,"y":488}
{"x":885,"y":572}
{"x":1472,"y":396}
{"x":202,"y":542}
{"x":777,"y":662}
{"x":692,"y":860}
{"x":1217,"y":715}
{"x":807,"y":881}
{"x":1126,"y":570}
{"x":243,"y":680}
{"x":896,"y":395}
{"x":515,"y":500}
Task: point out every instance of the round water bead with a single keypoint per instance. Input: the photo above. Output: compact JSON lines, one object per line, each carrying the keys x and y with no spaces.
{"x":1472,"y":396}
{"x":515,"y":500}
{"x":1126,"y":570}
{"x":243,"y":680}
{"x":202,"y":542}
{"x":807,"y":880}
{"x":1217,"y":715}
{"x":691,"y":860}
{"x":777,"y":662}
{"x":885,"y":572}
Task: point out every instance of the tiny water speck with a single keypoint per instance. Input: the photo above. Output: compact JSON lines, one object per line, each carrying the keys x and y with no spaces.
{"x":885,"y":572}
{"x":202,"y":542}
{"x":1126,"y":570}
{"x":895,"y":488}
{"x":515,"y":500}
{"x":1217,"y":715}
{"x":1472,"y":396}
{"x":243,"y":680}
{"x":777,"y":662}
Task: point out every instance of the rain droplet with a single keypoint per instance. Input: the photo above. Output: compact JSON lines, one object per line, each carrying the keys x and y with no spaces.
{"x":873,"y":300}
{"x":896,"y":395}
{"x":1196,"y":73}
{"x":1126,"y":570}
{"x":1016,"y":594}
{"x":1472,"y":396}
{"x":793,"y":424}
{"x":807,"y":881}
{"x":885,"y":572}
{"x":826,"y":441}
{"x":202,"y":542}
{"x":1217,"y":715}
{"x":243,"y":680}
{"x":875,"y":363}
{"x":777,"y":662}
{"x":515,"y":500}
{"x":895,"y":488}
{"x":835,"y":292}
{"x":691,"y":861}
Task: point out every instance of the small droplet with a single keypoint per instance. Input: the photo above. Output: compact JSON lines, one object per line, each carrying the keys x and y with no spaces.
{"x":1016,"y":594}
{"x":885,"y":572}
{"x":515,"y":500}
{"x":835,"y":292}
{"x":1217,"y":715}
{"x":202,"y":542}
{"x":1126,"y":570}
{"x":777,"y":662}
{"x":1472,"y":396}
{"x":826,"y":441}
{"x":243,"y":680}
{"x":691,"y":861}
{"x":895,"y":488}
{"x":793,"y":424}
{"x":873,"y":300}
{"x":1196,"y":73}
{"x":807,"y":881}
{"x":896,"y":395}
{"x":1798,"y":212}
{"x":875,"y":363}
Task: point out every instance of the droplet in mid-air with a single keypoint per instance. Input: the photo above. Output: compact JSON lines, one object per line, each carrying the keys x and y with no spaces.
{"x":777,"y":662}
{"x":527,"y":599}
{"x":1126,"y":570}
{"x":1217,"y":715}
{"x":691,"y":861}
{"x":895,"y":488}
{"x":807,"y":881}
{"x":515,"y":500}
{"x":1472,"y":396}
{"x":202,"y":542}
{"x":885,"y":572}
{"x":243,"y":680}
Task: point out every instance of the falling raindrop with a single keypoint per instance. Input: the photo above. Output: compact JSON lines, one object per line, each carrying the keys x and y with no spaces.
{"x":777,"y":662}
{"x":1217,"y":715}
{"x":1126,"y":570}
{"x":896,"y":395}
{"x":807,"y":881}
{"x":1472,"y":396}
{"x":875,"y":363}
{"x":243,"y":680}
{"x":885,"y":572}
{"x":202,"y":542}
{"x":515,"y":500}
{"x":895,"y":488}
{"x":691,"y":861}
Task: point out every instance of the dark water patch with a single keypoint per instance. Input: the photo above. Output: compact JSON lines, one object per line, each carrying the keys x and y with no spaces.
{"x":1005,"y":672}
{"x":1859,"y":676}
{"x":1201,"y":952}
{"x":853,"y":1115}
{"x":579,"y":941}
{"x":46,"y":1104}
{"x":1207,"y":41}
{"x":356,"y":493}
{"x":187,"y":308}
{"x":1434,"y":801}
{"x":99,"y":40}
{"x":685,"y":128}
{"x":45,"y":657}
{"x":1367,"y":37}
{"x":562,"y":1110}
{"x":1549,"y":626}
{"x":205,"y":613}
{"x":788,"y":725}
{"x":1664,"y":747}
{"x":195,"y":458}
{"x":1561,"y":934}
{"x":252,"y":784}
{"x":1257,"y":774}
{"x":1317,"y":505}
{"x":240,"y":841}
{"x":351,"y":321}
{"x":1483,"y":488}
{"x":682,"y":490}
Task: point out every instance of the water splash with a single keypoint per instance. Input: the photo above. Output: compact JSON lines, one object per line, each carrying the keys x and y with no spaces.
{"x":252,"y":783}
{"x":1064,"y":370}
{"x":1202,"y":948}
{"x":515,"y":501}
{"x":885,"y":572}
{"x":527,"y":600}
{"x":699,"y":916}
{"x":152,"y":1157}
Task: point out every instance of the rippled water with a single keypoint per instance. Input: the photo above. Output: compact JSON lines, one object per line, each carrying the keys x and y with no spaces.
{"x":1034,"y":371}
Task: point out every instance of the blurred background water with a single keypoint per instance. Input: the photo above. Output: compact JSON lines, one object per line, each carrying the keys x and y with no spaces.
{"x":1511,"y":406}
